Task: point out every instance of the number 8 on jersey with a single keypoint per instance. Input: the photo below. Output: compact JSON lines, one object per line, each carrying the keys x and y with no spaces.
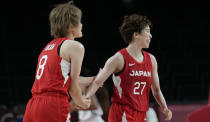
{"x":40,"y":69}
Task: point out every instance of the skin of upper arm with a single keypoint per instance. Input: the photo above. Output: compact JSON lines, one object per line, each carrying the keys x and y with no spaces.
{"x":113,"y":65}
{"x":73,"y":52}
{"x":155,"y":78}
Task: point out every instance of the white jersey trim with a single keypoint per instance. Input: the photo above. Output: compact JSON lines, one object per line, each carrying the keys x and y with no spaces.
{"x":124,"y":117}
{"x":68,"y":117}
{"x":117,"y":81}
{"x":65,"y":69}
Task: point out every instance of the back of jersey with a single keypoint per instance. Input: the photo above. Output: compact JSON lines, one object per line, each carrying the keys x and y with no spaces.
{"x":52,"y":73}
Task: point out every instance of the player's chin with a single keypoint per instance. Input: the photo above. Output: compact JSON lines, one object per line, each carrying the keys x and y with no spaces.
{"x":80,"y":35}
{"x":146,"y":46}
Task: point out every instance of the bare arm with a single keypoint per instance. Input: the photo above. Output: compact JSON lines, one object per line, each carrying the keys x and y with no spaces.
{"x":156,"y":91}
{"x":113,"y":64}
{"x":73,"y":52}
{"x":93,"y":104}
{"x":85,"y":81}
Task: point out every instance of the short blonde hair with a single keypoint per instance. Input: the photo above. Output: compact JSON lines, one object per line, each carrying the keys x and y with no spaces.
{"x":63,"y":16}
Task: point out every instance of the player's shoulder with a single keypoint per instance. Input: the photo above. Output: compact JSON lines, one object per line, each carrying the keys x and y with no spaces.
{"x":151,"y":56}
{"x":118,"y":56}
{"x":73,"y":45}
{"x":153,"y":59}
{"x":117,"y":60}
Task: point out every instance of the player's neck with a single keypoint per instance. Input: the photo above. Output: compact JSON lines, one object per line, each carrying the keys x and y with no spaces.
{"x":70,"y":37}
{"x":134,"y":50}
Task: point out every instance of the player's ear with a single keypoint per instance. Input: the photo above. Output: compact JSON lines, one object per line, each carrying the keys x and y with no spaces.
{"x":71,"y":29}
{"x":135,"y":34}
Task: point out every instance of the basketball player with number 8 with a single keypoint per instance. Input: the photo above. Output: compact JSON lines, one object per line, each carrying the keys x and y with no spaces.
{"x":58,"y":69}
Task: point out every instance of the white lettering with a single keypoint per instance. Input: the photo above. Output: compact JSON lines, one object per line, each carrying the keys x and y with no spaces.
{"x":136,"y":74}
{"x":132,"y":73}
{"x":50,"y":47}
{"x":149,"y":74}
{"x":140,"y":73}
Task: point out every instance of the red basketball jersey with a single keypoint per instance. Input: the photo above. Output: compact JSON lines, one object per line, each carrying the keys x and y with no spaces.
{"x":132,"y":85}
{"x":52,"y":73}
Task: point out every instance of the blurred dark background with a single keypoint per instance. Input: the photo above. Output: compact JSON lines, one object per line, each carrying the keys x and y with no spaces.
{"x":180,"y":43}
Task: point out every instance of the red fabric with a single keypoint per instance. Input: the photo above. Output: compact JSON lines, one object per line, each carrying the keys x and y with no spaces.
{"x":50,"y":89}
{"x":49,"y":74}
{"x":47,"y":109}
{"x":135,"y":82}
{"x":123,"y":113}
{"x":201,"y":115}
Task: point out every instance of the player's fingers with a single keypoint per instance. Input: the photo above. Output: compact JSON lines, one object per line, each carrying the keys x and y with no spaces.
{"x":168,"y":115}
{"x":87,"y":102}
{"x":78,"y":107}
{"x":168,"y":118}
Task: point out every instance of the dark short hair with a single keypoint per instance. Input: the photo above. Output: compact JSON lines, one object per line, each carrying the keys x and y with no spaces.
{"x":133,"y":23}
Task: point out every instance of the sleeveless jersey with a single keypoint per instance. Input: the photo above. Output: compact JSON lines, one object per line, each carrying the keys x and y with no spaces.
{"x":132,"y":85}
{"x":52,"y":73}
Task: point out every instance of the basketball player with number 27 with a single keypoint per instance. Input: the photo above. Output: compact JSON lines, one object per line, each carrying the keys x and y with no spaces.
{"x":58,"y":69}
{"x":134,"y":73}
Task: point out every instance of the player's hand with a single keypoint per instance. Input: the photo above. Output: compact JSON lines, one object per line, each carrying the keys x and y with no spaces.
{"x":87,"y":102}
{"x":167,"y":113}
{"x":75,"y":107}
